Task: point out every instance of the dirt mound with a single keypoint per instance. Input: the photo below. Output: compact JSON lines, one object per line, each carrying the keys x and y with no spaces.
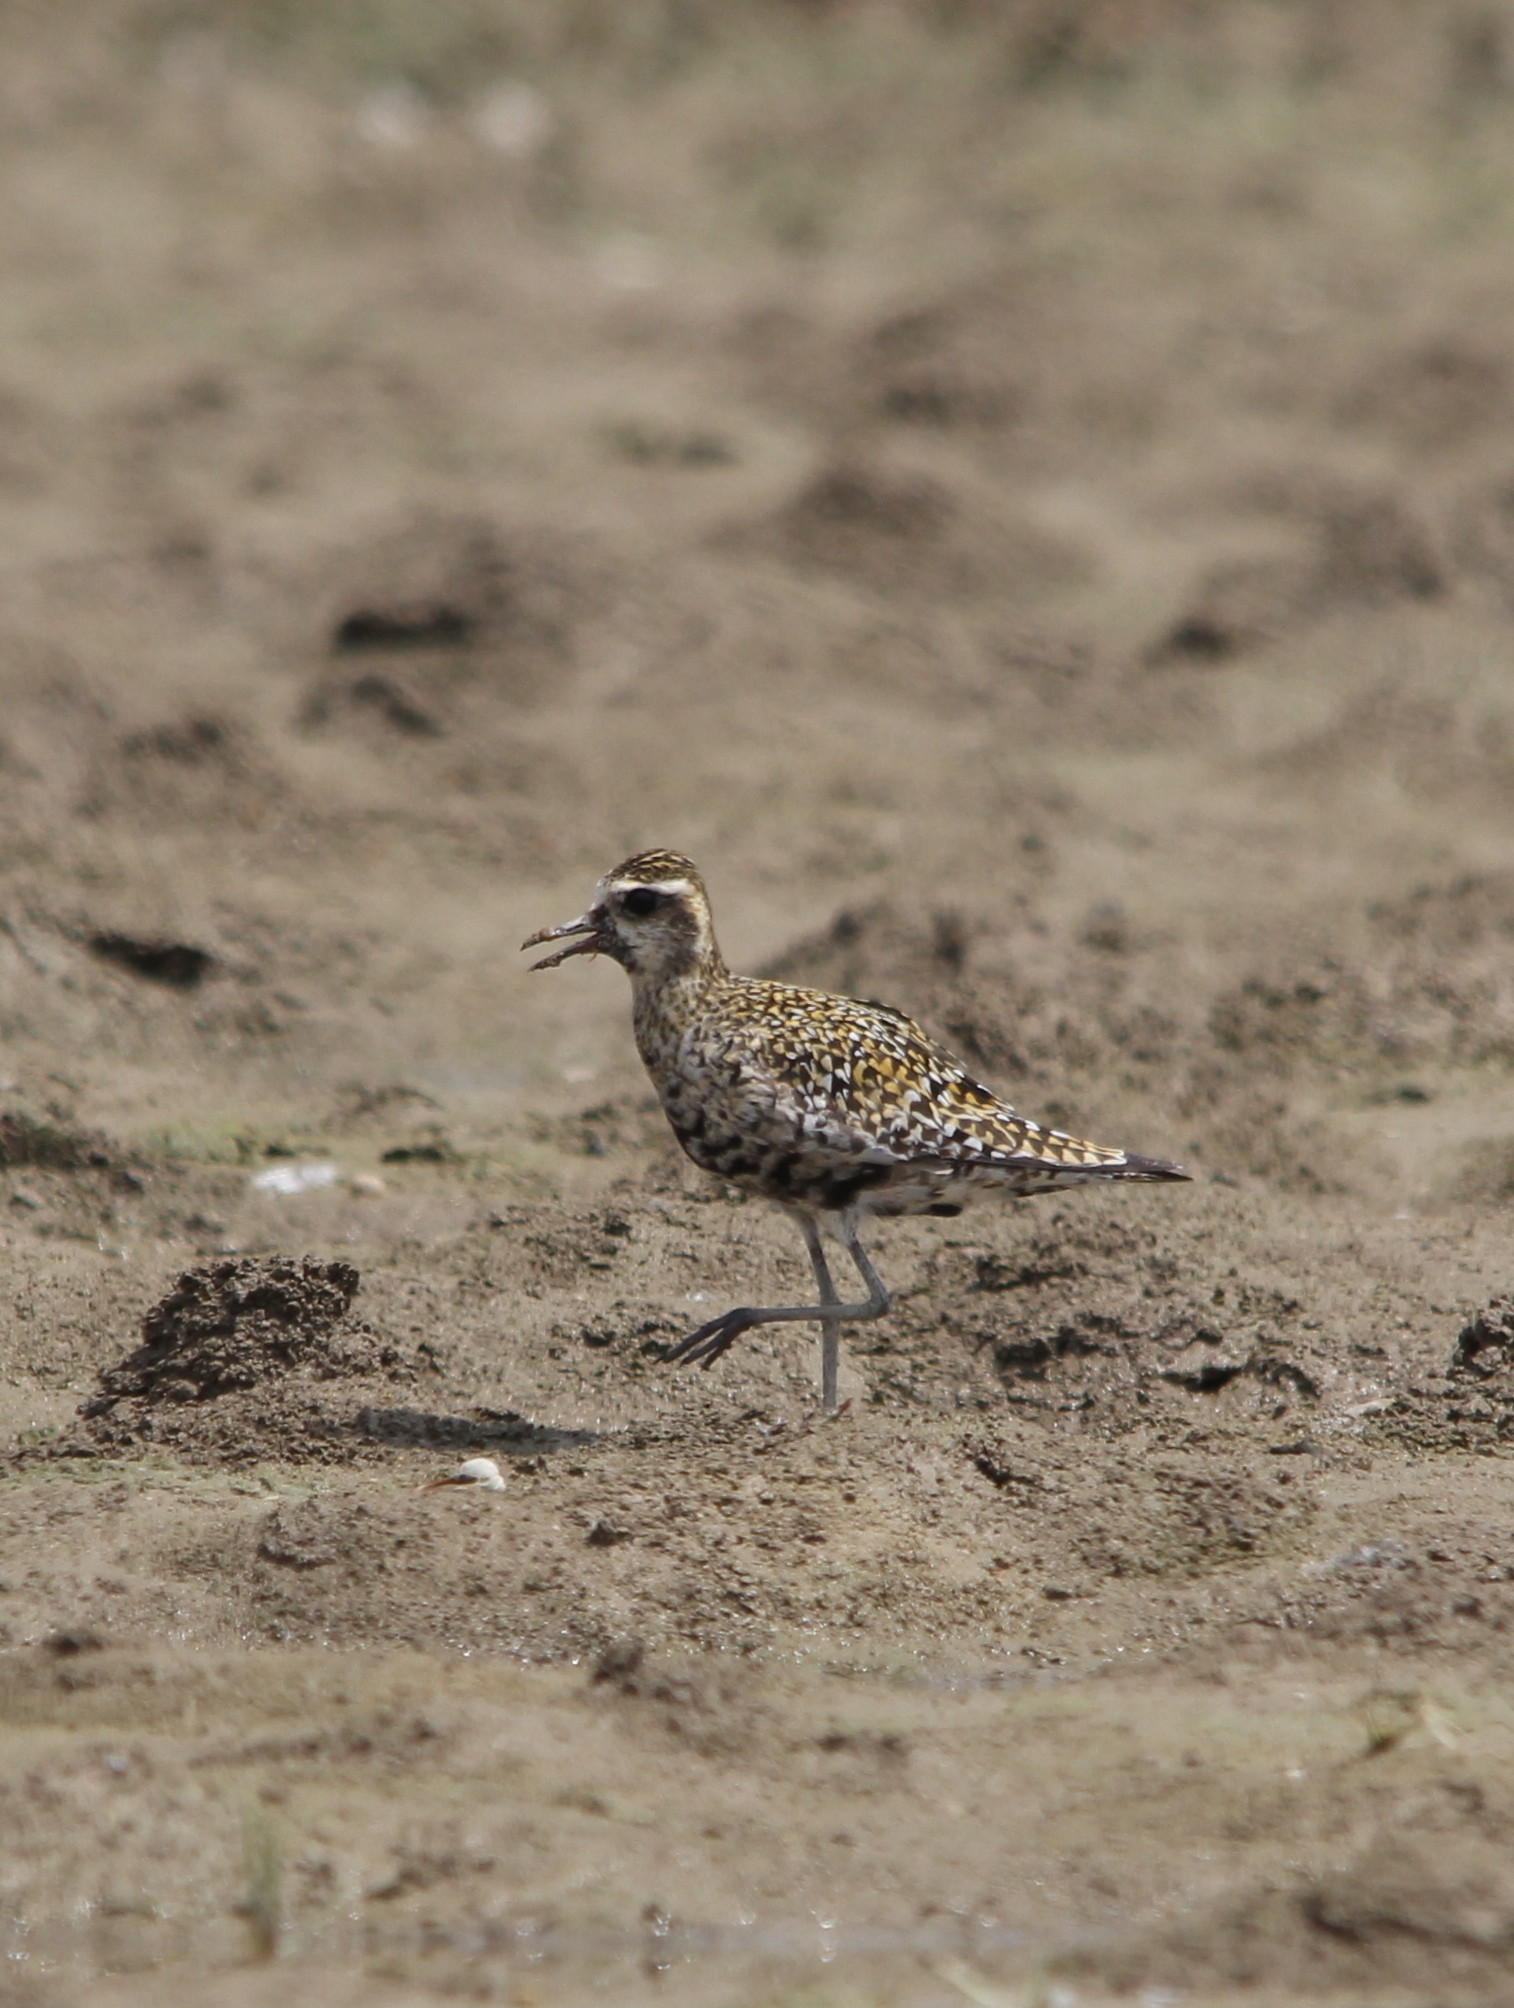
{"x":419,"y":610}
{"x":232,"y":1359}
{"x":50,"y":1146}
{"x":1238,"y":605}
{"x":238,"y":1323}
{"x":1468,"y":1404}
{"x":1359,"y":550}
{"x":1434,"y":396}
{"x":192,"y":768}
{"x":1485,"y":535}
{"x":1427,"y":985}
{"x":1440,"y":1906}
{"x":1474,"y":911}
{"x":1374,"y":550}
{"x":1448,"y":1589}
{"x":899,"y":529}
{"x":64,"y":1181}
{"x":941,"y":366}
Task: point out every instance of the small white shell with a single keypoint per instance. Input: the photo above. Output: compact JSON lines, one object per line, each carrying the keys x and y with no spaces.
{"x":480,"y":1471}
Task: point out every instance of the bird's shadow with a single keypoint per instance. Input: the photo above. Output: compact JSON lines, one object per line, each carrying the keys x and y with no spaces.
{"x":495,"y":1429}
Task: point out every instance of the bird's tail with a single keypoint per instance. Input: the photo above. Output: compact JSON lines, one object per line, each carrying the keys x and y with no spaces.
{"x":1055,"y":1151}
{"x":1146,"y":1170}
{"x":1050,"y":1170}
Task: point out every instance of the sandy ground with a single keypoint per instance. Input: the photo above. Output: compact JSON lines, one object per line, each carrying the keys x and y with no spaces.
{"x":1033,"y":515}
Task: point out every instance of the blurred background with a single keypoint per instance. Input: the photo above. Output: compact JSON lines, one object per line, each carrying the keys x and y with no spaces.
{"x":1035,"y":478}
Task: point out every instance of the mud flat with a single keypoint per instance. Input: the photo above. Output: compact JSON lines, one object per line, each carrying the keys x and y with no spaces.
{"x":1029,"y":512}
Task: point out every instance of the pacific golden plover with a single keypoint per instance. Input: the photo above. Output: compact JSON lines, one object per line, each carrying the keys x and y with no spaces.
{"x":832,"y":1108}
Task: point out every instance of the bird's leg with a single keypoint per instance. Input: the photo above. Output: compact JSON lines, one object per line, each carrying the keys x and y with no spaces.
{"x":706,"y":1345}
{"x":830,"y":1328}
{"x":877,"y":1292}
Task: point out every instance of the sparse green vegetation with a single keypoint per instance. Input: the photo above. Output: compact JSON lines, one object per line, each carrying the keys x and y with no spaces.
{"x":263,"y":1862}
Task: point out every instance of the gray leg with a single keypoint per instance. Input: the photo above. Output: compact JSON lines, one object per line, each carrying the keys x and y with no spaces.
{"x":830,"y":1328}
{"x":877,"y":1294}
{"x":706,"y":1345}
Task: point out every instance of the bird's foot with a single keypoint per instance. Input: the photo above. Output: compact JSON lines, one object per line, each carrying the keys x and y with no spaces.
{"x":704,"y":1347}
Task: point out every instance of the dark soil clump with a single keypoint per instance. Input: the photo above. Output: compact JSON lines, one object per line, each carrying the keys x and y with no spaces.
{"x":178,"y":965}
{"x":241,"y":1341}
{"x":233,"y":1324}
{"x":1469,"y":1404}
{"x":1485,"y":1345}
{"x":46,"y":1146}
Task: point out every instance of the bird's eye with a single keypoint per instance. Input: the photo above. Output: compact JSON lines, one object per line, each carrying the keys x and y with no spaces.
{"x":640,"y":901}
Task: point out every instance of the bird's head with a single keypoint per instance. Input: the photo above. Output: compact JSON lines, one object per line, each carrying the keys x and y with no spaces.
{"x":650,"y":915}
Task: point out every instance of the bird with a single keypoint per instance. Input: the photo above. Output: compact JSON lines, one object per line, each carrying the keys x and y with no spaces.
{"x":834,"y":1108}
{"x":482,"y":1474}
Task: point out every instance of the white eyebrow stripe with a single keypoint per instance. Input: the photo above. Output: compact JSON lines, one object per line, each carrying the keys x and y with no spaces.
{"x":650,"y":885}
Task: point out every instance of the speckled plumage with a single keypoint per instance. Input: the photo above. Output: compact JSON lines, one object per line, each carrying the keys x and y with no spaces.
{"x":831,"y":1107}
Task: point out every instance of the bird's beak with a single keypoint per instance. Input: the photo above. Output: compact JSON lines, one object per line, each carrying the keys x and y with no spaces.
{"x":586,"y":926}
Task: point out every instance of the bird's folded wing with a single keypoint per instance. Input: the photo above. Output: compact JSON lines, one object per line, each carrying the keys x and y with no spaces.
{"x":931,"y":1116}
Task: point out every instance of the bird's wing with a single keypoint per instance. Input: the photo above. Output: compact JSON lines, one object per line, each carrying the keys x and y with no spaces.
{"x":868,"y":1082}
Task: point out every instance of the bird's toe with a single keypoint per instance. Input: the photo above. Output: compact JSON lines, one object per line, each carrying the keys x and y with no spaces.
{"x":704,"y":1347}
